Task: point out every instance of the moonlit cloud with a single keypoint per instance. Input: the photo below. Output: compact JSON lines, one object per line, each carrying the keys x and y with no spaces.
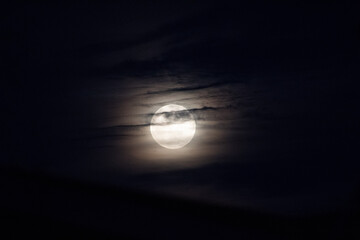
{"x":208,"y":104}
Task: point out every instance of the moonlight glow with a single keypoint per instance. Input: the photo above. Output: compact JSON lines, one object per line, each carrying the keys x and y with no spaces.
{"x":172,"y":126}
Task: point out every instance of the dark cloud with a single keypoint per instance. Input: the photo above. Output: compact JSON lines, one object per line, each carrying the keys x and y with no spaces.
{"x":193,"y":88}
{"x":198,"y":112}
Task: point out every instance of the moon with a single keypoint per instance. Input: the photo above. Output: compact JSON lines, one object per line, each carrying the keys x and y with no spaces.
{"x":172,"y":126}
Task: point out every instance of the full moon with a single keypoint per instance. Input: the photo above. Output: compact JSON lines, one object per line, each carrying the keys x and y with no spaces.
{"x":172,"y":126}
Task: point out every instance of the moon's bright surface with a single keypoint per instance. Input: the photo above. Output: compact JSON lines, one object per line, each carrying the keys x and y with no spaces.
{"x":172,"y":126}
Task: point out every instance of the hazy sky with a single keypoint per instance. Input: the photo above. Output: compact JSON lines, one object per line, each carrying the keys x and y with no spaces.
{"x":271,"y":88}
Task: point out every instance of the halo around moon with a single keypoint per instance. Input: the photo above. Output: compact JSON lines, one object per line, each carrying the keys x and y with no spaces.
{"x":172,"y":126}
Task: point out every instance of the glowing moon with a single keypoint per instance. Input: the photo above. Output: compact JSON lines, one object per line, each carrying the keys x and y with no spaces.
{"x":172,"y":126}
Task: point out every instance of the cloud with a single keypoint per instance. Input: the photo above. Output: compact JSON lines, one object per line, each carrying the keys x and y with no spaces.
{"x":192,"y":88}
{"x":148,"y":116}
{"x":197,"y":111}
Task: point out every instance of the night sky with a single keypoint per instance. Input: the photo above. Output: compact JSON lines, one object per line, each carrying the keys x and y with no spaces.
{"x":273,"y":88}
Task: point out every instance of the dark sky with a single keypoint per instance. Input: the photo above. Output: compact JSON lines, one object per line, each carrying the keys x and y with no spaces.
{"x":273,"y":88}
